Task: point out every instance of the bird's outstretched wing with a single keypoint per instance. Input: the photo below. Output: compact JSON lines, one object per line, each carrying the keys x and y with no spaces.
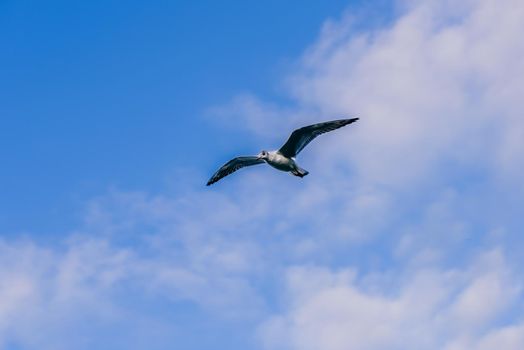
{"x":232,"y":166}
{"x":300,"y":138}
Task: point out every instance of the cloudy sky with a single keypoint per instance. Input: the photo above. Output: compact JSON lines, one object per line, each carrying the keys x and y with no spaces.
{"x":407,"y":234}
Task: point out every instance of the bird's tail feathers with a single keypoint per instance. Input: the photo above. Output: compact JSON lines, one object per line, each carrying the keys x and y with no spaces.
{"x":300,"y":172}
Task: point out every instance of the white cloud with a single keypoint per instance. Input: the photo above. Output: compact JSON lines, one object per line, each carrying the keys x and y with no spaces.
{"x":440,"y":146}
{"x":439,"y":86}
{"x":432,"y":308}
{"x":47,"y":293}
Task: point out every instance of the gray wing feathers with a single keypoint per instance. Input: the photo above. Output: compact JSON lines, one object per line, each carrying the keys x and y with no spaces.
{"x":232,"y":166}
{"x":300,"y":138}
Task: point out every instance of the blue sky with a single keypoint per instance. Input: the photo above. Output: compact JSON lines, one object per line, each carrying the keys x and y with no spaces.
{"x":407,"y":233}
{"x":111,"y":93}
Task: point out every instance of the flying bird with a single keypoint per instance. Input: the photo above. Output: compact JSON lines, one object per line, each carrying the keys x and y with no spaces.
{"x":284,"y":158}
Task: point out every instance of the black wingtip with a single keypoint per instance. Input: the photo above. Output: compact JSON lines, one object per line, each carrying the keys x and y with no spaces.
{"x":348,"y":120}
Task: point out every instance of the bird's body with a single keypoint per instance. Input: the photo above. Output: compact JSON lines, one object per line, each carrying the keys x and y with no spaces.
{"x":280,"y":162}
{"x":284,"y":158}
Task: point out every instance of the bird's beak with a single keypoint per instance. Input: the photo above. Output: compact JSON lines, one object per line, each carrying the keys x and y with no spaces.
{"x":259,"y":156}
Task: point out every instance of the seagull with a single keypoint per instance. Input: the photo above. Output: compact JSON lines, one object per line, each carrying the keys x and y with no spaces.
{"x":284,"y":158}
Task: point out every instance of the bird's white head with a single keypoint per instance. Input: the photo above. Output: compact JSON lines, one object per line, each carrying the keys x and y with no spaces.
{"x":263,"y":155}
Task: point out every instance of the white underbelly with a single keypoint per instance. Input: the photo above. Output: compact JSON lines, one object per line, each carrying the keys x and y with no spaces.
{"x":281,"y":163}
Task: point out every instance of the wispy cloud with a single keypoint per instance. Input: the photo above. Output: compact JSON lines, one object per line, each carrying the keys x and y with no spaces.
{"x":428,"y":309}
